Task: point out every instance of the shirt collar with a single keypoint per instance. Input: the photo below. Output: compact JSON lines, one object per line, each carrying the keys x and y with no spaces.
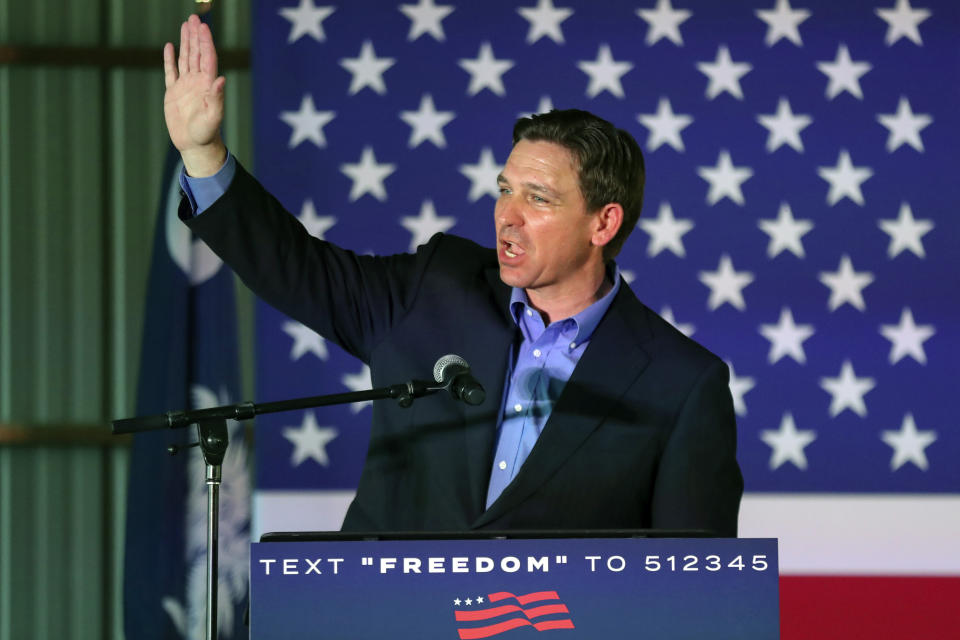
{"x":586,"y":321}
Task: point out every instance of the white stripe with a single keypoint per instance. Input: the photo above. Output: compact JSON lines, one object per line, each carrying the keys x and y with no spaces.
{"x":858,"y":534}
{"x":820,"y":534}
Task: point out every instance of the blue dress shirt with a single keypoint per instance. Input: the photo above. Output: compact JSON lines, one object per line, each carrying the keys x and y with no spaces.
{"x":203,"y":192}
{"x":540,"y":368}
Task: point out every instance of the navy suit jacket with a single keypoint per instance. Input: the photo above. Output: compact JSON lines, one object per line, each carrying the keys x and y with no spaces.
{"x":642,"y":436}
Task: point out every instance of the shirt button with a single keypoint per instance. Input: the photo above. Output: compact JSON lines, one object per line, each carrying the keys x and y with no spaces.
{"x":502,"y":465}
{"x":518,"y":408}
{"x":573,"y":345}
{"x":536,"y":353}
{"x":529,"y":312}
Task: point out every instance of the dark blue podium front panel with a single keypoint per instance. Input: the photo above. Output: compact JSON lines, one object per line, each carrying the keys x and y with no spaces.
{"x":568,"y":589}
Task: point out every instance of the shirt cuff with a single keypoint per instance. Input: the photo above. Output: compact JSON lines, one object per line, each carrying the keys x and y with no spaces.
{"x":203,"y":192}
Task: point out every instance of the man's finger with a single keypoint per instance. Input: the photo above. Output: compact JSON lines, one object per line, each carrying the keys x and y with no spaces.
{"x":184,"y":49}
{"x":194,"y":59}
{"x":208,"y":52}
{"x":169,"y":69}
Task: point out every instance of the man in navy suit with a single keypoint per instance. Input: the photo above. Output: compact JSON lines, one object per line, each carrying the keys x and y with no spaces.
{"x":598,"y":413}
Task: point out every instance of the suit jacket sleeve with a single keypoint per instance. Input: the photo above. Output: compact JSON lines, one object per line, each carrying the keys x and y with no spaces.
{"x":350,"y":299}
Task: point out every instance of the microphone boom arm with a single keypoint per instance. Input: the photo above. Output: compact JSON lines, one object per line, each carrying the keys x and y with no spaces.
{"x":403,"y":393}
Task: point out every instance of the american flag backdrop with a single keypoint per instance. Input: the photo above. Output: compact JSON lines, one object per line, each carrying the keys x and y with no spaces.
{"x":801,"y":219}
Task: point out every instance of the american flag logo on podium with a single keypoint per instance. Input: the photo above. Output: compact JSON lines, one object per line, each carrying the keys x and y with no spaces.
{"x":497,"y":613}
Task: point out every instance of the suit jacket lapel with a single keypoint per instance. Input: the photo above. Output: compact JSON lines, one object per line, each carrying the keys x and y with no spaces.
{"x":611,"y":363}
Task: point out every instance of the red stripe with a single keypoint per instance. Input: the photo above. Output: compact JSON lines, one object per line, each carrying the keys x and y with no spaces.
{"x":486,"y":614}
{"x":549,"y":625}
{"x":835,"y":607}
{"x":493,"y":629}
{"x":546,"y":610}
{"x":525,"y":599}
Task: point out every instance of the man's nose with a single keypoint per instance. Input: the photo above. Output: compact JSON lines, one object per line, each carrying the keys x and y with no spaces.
{"x":507,"y":213}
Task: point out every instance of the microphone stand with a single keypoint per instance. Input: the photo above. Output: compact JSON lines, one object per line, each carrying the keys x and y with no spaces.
{"x":213,"y":439}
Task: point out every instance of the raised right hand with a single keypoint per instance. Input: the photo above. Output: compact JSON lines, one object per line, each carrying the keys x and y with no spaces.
{"x":193,"y":103}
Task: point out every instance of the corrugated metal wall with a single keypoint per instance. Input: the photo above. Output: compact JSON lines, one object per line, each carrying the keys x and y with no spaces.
{"x":82,"y":145}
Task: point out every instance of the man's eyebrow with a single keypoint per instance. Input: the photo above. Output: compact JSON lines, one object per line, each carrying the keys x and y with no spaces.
{"x":532,"y":186}
{"x":536,"y":186}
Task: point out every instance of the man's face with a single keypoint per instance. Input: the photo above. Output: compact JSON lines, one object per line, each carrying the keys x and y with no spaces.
{"x":544,"y":234}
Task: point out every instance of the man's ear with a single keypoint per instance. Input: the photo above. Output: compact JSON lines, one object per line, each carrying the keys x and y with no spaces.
{"x":608,"y":221}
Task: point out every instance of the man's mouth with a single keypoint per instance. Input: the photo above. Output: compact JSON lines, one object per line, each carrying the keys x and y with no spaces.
{"x":512,"y":250}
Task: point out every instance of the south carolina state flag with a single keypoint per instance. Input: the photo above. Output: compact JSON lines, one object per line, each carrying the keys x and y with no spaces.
{"x":188,"y":361}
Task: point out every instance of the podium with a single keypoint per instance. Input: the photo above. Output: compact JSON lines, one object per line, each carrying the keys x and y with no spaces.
{"x":465,"y":587}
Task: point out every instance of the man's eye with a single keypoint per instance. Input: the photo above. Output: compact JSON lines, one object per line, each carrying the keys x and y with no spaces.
{"x":539,"y":199}
{"x":503,"y":190}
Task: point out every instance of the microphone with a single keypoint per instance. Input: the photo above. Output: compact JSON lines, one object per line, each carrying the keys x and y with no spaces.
{"x":453,"y":372}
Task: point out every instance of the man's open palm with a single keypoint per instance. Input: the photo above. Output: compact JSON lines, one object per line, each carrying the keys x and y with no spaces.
{"x":193,"y":103}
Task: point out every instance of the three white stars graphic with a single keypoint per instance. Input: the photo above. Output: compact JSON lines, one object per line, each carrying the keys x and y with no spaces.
{"x":469,"y":601}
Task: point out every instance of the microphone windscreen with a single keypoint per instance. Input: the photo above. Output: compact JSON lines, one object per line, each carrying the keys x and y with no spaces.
{"x":439,"y":369}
